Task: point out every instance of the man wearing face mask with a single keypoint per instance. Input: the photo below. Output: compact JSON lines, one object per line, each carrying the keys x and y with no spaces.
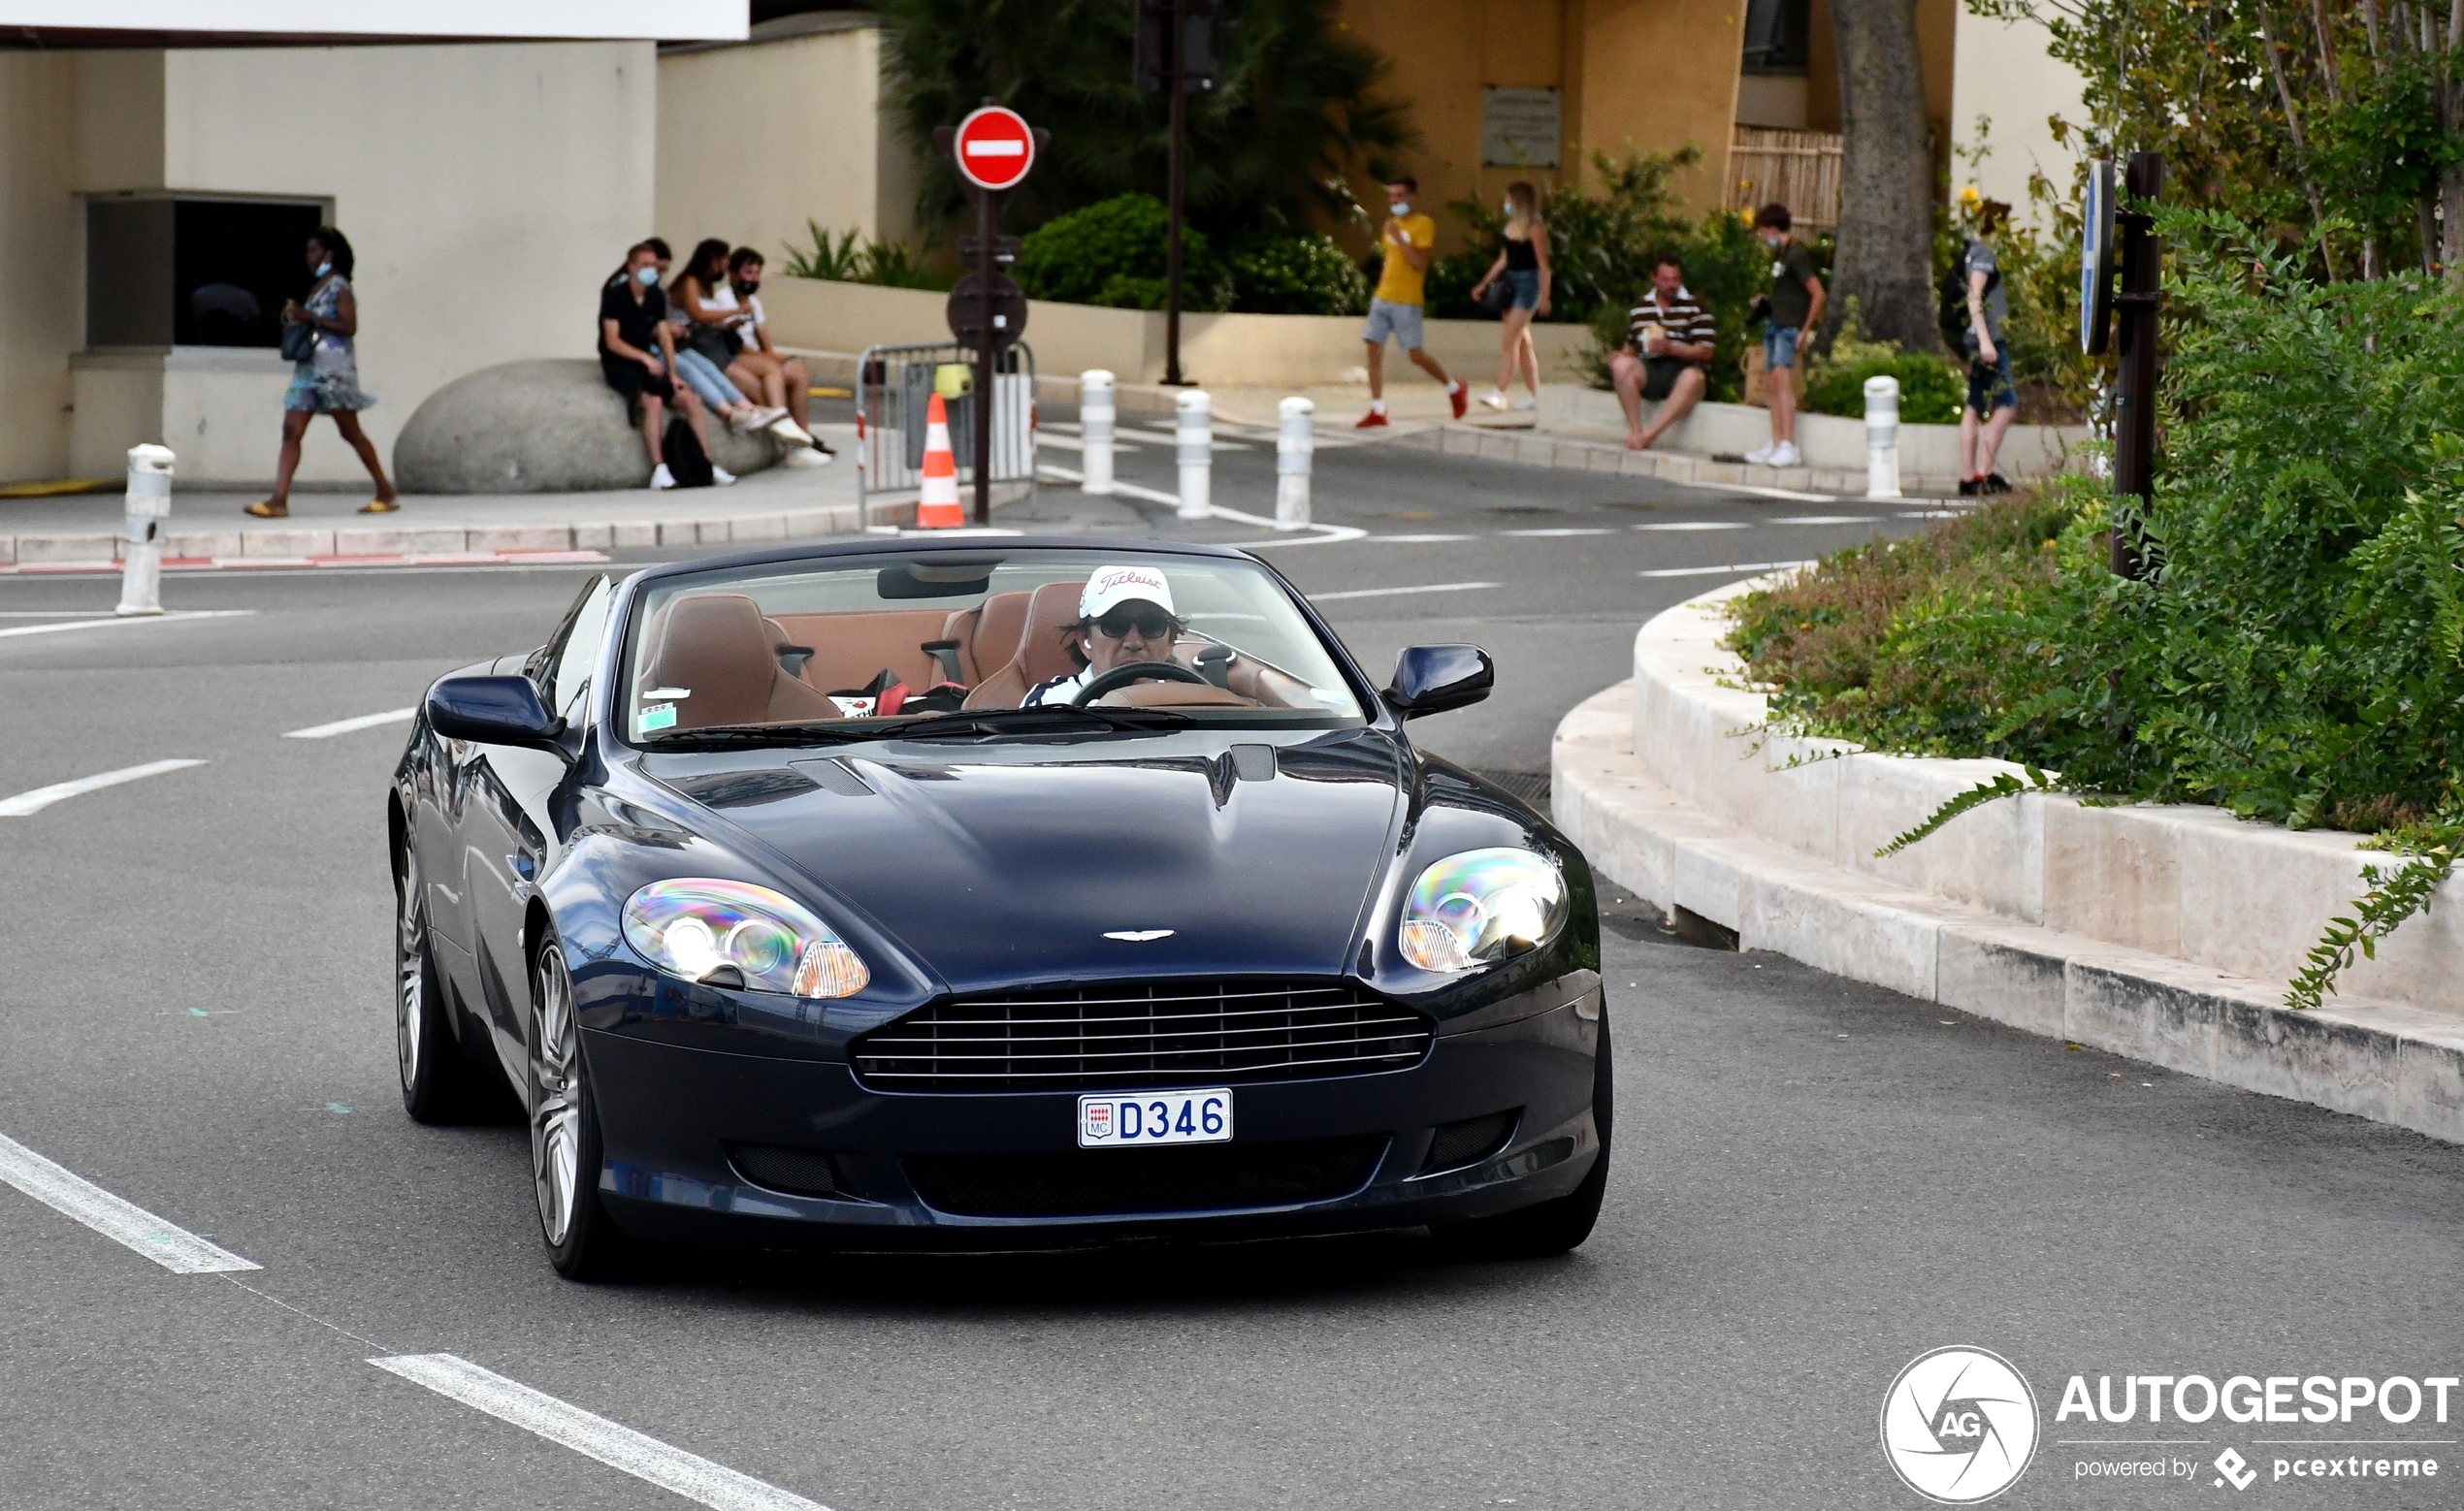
{"x":1795,"y":308}
{"x":1407,"y":241}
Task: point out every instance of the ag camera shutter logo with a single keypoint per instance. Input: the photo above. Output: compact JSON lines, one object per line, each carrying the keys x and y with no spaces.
{"x":1959,"y":1426}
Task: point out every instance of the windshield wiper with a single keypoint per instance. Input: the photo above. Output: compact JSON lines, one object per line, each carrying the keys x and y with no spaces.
{"x":994,"y":720}
{"x":726,"y":735}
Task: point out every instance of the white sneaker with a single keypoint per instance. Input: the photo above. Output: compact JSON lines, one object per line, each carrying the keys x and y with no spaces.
{"x":1786,"y":454}
{"x":745,"y":421}
{"x":660,"y":477}
{"x":1528,"y":402}
{"x":765,"y":416}
{"x":1495,"y":398}
{"x":804,"y":456}
{"x":789,"y":432}
{"x":1762,"y":456}
{"x":720,"y":475}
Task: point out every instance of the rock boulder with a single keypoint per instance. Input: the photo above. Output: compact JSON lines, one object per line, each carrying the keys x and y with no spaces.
{"x":539,"y":427}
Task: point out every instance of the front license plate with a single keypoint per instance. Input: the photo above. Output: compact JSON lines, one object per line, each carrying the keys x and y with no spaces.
{"x":1155,"y":1118}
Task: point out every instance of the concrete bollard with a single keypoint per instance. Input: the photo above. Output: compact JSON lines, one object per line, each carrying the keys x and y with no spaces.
{"x":1882,"y":438}
{"x":1193,"y":441}
{"x":1096,"y":427}
{"x":1295,"y":445}
{"x":143,"y":530}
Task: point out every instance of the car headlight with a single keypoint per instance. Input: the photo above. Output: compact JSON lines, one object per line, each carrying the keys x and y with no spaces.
{"x":1481,"y":907}
{"x":702,"y":928}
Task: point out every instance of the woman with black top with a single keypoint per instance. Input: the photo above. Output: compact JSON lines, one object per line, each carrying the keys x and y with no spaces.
{"x":637,"y":355}
{"x":1523,"y":262}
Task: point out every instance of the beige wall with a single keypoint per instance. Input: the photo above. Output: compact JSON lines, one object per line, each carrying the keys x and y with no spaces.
{"x":41,"y":295}
{"x":2002,"y":73}
{"x":816,"y":100}
{"x":487,"y":191}
{"x":1630,"y":91}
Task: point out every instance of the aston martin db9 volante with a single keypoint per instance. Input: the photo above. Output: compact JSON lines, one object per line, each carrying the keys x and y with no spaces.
{"x":991,"y":893}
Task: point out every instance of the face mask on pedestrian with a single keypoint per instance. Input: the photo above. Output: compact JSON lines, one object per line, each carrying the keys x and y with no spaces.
{"x":324,"y":268}
{"x":1400,"y":210}
{"x":648,"y":275}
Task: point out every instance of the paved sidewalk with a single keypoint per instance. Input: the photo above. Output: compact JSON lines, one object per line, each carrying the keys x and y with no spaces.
{"x":777,"y":503}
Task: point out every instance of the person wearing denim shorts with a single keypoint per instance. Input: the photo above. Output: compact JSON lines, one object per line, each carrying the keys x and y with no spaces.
{"x":1795,"y":308}
{"x":1406,"y":242}
{"x":1522,"y":263}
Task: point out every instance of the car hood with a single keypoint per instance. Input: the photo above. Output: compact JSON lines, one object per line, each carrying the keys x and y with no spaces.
{"x":1024,"y":865}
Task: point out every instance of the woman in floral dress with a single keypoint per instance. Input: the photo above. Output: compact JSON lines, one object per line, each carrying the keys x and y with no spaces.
{"x":326,"y":381}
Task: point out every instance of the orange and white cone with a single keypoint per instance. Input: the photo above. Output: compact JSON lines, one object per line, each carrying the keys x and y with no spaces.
{"x":938,"y":508}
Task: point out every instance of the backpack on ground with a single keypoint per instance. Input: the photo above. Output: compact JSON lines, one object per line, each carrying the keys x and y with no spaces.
{"x":687,"y":462}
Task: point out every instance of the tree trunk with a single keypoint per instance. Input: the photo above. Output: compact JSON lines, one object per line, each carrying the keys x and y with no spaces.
{"x":1885,"y":261}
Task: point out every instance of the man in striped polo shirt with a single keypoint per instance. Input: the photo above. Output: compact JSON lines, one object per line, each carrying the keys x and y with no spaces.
{"x":1669,"y":358}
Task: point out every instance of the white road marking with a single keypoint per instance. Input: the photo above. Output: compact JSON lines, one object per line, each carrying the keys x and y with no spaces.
{"x":175,"y":1249}
{"x":1697,"y":524}
{"x":1418,"y":540}
{"x":1931,"y":514}
{"x":1074,"y":443}
{"x":1328,"y":535}
{"x":43,"y":797}
{"x":1827,"y":519}
{"x":1389,"y":593}
{"x":1732,"y":567}
{"x":349,"y":726}
{"x":594,"y":1437}
{"x":1553,"y":535}
{"x":134,"y":618}
{"x":1790,"y":494}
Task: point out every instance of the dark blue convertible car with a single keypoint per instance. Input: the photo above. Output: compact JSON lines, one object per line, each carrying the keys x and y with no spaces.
{"x":991,"y":893}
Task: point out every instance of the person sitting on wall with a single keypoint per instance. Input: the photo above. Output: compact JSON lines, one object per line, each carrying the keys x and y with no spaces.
{"x":721,"y":329}
{"x":638,"y":354}
{"x":1669,"y":356}
{"x":781,"y":378}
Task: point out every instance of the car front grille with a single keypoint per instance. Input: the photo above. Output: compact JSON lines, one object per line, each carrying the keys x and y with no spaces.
{"x":1142,"y":1034}
{"x":1129,"y":1182}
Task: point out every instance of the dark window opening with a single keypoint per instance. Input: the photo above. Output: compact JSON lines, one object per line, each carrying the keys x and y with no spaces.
{"x":194,"y":271}
{"x":1777,"y":36}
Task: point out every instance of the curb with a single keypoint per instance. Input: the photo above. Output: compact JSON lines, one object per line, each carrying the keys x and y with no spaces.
{"x":1455,"y":438}
{"x":96,"y":547}
{"x":2396,"y":1065}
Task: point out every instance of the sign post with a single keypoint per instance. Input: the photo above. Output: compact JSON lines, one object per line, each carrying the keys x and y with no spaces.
{"x":1178,"y":53}
{"x":992,"y":149}
{"x":2135,"y":390}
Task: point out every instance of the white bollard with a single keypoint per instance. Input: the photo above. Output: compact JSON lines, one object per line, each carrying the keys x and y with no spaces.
{"x":143,"y":528}
{"x":1194,"y":441}
{"x":1096,"y":427}
{"x":1295,"y":443}
{"x":1882,"y":438}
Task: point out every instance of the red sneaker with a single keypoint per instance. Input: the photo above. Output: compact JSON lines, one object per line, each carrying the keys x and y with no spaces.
{"x":1460,"y":397}
{"x":1370,"y":421}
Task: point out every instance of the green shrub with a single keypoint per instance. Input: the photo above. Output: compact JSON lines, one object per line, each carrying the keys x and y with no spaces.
{"x":847,"y":259}
{"x":1114,"y":252}
{"x":1930,"y":389}
{"x":2296,"y":654}
{"x":1306,"y":274}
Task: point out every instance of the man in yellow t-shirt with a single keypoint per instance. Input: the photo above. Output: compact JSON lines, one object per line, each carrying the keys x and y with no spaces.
{"x":1407,"y":241}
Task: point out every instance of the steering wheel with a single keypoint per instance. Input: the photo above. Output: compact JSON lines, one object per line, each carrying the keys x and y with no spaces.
{"x":1136,"y":671}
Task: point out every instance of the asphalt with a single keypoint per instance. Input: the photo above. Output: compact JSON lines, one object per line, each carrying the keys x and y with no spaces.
{"x":1815,"y":1181}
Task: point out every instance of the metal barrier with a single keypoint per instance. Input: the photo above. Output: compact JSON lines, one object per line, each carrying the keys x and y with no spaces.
{"x":893,"y":387}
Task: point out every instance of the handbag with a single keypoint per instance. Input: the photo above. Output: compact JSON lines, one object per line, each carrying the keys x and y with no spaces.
{"x":716,"y":342}
{"x":298,"y":341}
{"x":1498,"y":298}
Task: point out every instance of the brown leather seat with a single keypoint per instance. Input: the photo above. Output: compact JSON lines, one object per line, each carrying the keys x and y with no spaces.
{"x":717,"y":647}
{"x":988,"y":634}
{"x":1043,"y":652}
{"x":850,"y":650}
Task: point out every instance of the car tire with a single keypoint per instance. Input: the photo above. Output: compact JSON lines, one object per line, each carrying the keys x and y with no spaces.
{"x":439,"y":1084}
{"x":1558,"y":1225}
{"x":583,"y":1242}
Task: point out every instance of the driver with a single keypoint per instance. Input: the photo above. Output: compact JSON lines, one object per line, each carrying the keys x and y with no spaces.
{"x":1124,"y":616}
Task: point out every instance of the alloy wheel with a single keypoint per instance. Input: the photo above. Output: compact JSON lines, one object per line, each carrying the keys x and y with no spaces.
{"x":556,"y":1107}
{"x":410,"y":972}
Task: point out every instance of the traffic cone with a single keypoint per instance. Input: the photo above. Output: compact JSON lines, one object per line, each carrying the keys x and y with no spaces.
{"x":938,"y":508}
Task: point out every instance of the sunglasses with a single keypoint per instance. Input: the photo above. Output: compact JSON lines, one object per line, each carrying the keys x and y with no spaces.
{"x":1151,"y":622}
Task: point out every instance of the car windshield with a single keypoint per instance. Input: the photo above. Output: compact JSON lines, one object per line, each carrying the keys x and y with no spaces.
{"x":950,"y":644}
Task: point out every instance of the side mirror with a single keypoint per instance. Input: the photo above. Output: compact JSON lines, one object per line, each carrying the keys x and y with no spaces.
{"x":491,"y":710}
{"x":1430,"y":679}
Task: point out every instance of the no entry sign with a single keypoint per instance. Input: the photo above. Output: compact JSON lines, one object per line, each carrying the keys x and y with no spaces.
{"x":994,"y":148}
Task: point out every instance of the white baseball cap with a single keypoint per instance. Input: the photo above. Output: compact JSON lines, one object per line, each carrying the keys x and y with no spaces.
{"x":1119,"y":584}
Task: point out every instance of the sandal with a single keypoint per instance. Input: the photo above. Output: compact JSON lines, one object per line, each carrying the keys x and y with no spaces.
{"x":269,"y":510}
{"x":381,"y":506}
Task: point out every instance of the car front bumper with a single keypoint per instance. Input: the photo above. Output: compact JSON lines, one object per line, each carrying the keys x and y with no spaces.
{"x":675,"y":1123}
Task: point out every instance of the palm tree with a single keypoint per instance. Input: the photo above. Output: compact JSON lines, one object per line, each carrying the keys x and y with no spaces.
{"x":1296,"y":106}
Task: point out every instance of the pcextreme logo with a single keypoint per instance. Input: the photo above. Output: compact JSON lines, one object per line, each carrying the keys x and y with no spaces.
{"x":1959,"y":1426}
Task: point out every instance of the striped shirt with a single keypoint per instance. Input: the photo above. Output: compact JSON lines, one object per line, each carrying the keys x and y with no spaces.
{"x":1684,"y":321}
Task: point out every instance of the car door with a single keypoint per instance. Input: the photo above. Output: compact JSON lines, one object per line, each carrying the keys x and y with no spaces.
{"x":508,"y":832}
